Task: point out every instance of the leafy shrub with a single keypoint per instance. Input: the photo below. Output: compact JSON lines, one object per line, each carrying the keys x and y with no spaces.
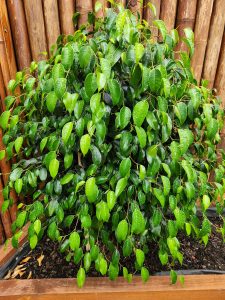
{"x":115,"y":142}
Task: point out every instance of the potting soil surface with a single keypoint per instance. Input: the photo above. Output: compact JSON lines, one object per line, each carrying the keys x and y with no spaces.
{"x":45,"y":261}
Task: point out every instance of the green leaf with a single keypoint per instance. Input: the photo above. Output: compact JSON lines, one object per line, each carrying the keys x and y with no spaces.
{"x":206,"y":202}
{"x":160,"y":196}
{"x":43,"y":143}
{"x":81,"y":276}
{"x":70,"y":101}
{"x":111,"y":199}
{"x":186,"y":139}
{"x":138,"y":222}
{"x":90,"y":84}
{"x":140,"y":112}
{"x":212,"y":128}
{"x":124,"y":117}
{"x":175,"y":151}
{"x":37,"y":226}
{"x":58,"y":71}
{"x":115,"y":91}
{"x":85,"y":56}
{"x":60,"y":87}
{"x":74,"y":241}
{"x":142,"y":137}
{"x":105,"y":67}
{"x":54,"y":167}
{"x":140,"y":257}
{"x":85,"y":143}
{"x":103,"y":266}
{"x":162,"y":27}
{"x":139,"y":52}
{"x":15,"y":174}
{"x":51,"y":100}
{"x":173,"y":276}
{"x":155,"y":80}
{"x":2,"y":154}
{"x":166,"y":87}
{"x":66,"y":132}
{"x":33,"y":241}
{"x":101,"y":81}
{"x":181,"y":112}
{"x":144,"y":274}
{"x":121,"y":231}
{"x":120,"y":186}
{"x":102,"y":211}
{"x":66,"y":178}
{"x":91,"y":190}
{"x":166,"y":185}
{"x":18,"y":144}
{"x":67,"y":56}
{"x":18,"y":185}
{"x":20,"y":220}
{"x":189,"y":40}
{"x":163,"y":256}
{"x":4,"y":119}
{"x":124,"y":167}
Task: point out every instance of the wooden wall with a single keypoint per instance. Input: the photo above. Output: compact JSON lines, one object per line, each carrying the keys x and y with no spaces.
{"x":28,"y":28}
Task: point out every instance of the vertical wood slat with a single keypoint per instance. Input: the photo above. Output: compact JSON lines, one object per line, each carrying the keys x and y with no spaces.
{"x":3,"y":60}
{"x":5,"y":170}
{"x":202,"y":24}
{"x":66,"y":11}
{"x":168,"y":13}
{"x":51,"y":21}
{"x":36,"y":28}
{"x":220,"y":73}
{"x":149,"y":16}
{"x":19,"y":33}
{"x":83,"y":7}
{"x":6,"y":33}
{"x":2,"y":92}
{"x":101,"y":12}
{"x":214,"y":41}
{"x":5,"y":217}
{"x":186,"y":12}
{"x":2,"y":234}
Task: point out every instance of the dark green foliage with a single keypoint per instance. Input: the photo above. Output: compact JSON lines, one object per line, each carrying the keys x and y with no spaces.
{"x":114,"y":143}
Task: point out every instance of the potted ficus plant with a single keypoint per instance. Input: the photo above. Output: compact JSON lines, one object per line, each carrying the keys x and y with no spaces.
{"x":115,"y":142}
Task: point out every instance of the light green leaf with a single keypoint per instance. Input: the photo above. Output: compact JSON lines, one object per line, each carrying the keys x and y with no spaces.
{"x":66,"y":131}
{"x":162,"y":27}
{"x":142,"y":136}
{"x":140,"y":112}
{"x":120,"y":186}
{"x":90,"y":84}
{"x":54,"y":167}
{"x":115,"y":91}
{"x":18,"y":144}
{"x":70,"y":101}
{"x":66,"y":178}
{"x":85,"y":143}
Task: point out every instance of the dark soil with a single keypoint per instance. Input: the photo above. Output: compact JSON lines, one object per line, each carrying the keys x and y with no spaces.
{"x":47,"y":262}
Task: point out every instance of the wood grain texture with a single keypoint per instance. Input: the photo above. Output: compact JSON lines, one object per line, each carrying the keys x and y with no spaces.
{"x":66,"y":11}
{"x":6,"y":32}
{"x":83,"y":7}
{"x":202,"y":23}
{"x":214,"y":41}
{"x":186,"y":12}
{"x":2,"y":91}
{"x":5,"y":217}
{"x":220,"y":75}
{"x":51,"y":21}
{"x":6,"y":252}
{"x":196,"y":287}
{"x":36,"y":28}
{"x":3,"y":60}
{"x":149,"y":16}
{"x":168,"y":13}
{"x":2,"y":234}
{"x":19,"y":33}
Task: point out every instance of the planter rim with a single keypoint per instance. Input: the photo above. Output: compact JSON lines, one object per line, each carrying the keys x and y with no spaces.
{"x":158,"y":287}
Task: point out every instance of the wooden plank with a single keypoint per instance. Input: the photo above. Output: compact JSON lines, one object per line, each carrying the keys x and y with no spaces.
{"x":186,"y":12}
{"x":66,"y":11}
{"x":5,"y":171}
{"x":6,"y":31}
{"x":149,"y":16}
{"x":214,"y":41}
{"x":5,"y":217}
{"x":196,"y":287}
{"x":2,"y":91}
{"x":36,"y":28}
{"x":201,"y":30}
{"x":51,"y":21}
{"x":3,"y":60}
{"x":220,"y":74}
{"x":2,"y":234}
{"x":19,"y":33}
{"x":6,"y":252}
{"x":168,"y":13}
{"x":83,"y":7}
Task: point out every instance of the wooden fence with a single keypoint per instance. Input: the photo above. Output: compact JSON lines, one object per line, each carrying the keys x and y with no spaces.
{"x":28,"y":28}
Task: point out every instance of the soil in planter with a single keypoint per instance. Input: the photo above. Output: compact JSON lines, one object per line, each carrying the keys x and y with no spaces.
{"x":47,"y":262}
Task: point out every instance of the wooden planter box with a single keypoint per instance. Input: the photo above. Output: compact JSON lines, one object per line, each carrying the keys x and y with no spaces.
{"x":196,"y":287}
